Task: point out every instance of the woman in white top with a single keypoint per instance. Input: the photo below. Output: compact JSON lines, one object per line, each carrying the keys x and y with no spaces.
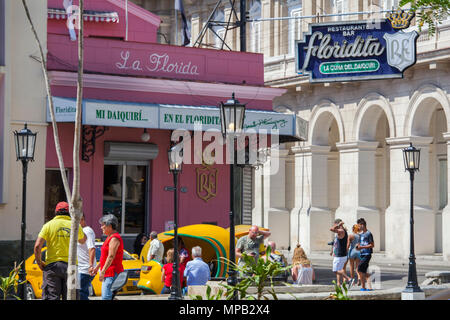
{"x":302,"y":271}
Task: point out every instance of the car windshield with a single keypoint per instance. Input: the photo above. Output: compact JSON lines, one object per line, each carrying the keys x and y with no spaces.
{"x":126,"y":255}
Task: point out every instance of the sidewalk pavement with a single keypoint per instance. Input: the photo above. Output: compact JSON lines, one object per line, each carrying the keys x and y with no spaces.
{"x":434,"y":260}
{"x":387,"y":273}
{"x":313,"y":292}
{"x":392,"y":281}
{"x":386,"y":294}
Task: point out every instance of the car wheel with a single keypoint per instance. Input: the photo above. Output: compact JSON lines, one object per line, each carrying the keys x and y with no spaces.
{"x":29,"y":292}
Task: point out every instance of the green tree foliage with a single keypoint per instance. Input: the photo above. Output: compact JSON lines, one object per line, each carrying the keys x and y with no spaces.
{"x":429,"y":12}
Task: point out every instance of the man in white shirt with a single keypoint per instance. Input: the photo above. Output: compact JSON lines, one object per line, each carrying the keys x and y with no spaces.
{"x":156,"y":250}
{"x":86,"y":260}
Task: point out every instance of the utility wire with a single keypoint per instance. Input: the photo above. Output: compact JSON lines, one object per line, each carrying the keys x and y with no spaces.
{"x":289,"y":30}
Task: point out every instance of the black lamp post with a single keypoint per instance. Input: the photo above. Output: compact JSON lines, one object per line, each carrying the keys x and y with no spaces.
{"x":411,"y":157}
{"x":232,"y":120}
{"x":25,"y":141}
{"x":175,"y":166}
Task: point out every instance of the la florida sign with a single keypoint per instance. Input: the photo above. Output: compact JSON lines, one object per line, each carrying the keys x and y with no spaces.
{"x":357,"y":50}
{"x":172,"y":117}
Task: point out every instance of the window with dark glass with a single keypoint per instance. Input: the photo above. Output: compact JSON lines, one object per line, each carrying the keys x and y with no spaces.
{"x":124,"y":195}
{"x":54,"y":192}
{"x":243,"y":194}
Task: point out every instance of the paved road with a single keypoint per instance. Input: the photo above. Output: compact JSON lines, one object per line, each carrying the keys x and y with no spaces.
{"x":386,"y":276}
{"x":387,"y":273}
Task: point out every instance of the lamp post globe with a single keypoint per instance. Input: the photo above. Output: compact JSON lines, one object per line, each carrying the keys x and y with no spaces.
{"x":411,"y":158}
{"x":145,"y":137}
{"x":25,"y":143}
{"x":175,"y":158}
{"x":232,"y":115}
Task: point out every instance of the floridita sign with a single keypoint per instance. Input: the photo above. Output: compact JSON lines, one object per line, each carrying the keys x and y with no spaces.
{"x":357,"y":50}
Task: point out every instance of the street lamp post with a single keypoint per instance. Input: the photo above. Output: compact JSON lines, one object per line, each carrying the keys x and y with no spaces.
{"x":411,"y":157}
{"x":175,"y":166}
{"x":25,"y":141}
{"x":232,"y":115}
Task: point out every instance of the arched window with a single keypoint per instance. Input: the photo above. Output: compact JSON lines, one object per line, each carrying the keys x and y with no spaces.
{"x":295,"y":27}
{"x":219,"y":30}
{"x":189,"y":28}
{"x":340,"y":6}
{"x":390,"y":4}
{"x":255,"y":26}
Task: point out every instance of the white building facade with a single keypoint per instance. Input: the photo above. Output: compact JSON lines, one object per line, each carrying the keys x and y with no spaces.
{"x":351,"y":165}
{"x":22,"y":100}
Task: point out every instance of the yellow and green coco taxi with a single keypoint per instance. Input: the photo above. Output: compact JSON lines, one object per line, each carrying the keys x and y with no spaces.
{"x":213,"y":240}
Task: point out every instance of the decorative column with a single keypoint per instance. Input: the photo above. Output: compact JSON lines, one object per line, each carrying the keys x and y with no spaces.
{"x":292,"y":201}
{"x":279,"y":29}
{"x":311,"y":213}
{"x":267,"y":11}
{"x":446,"y":211}
{"x":398,"y":213}
{"x":270,"y":197}
{"x":260,"y":210}
{"x":258,"y":207}
{"x":278,"y":215}
{"x":358,"y":186}
{"x":196,"y":26}
{"x":232,"y":39}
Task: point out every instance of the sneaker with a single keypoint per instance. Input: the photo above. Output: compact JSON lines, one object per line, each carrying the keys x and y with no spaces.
{"x":369,"y":289}
{"x":363,"y":289}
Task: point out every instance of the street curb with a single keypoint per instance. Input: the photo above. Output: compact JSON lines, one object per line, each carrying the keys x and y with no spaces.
{"x":425,"y":260}
{"x":388,"y":294}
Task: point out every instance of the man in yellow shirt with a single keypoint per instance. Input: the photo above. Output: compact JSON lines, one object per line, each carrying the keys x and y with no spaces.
{"x":56,"y":233}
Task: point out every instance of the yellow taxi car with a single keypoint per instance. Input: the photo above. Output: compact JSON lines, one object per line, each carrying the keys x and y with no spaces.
{"x":130,"y":262}
{"x":213,"y":240}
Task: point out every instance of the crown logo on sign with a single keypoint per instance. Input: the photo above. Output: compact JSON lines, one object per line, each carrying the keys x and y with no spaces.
{"x":400,"y":19}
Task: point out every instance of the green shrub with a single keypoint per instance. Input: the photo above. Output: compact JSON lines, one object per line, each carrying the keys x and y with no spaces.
{"x":259,"y":274}
{"x":9,"y":284}
{"x":341,"y":293}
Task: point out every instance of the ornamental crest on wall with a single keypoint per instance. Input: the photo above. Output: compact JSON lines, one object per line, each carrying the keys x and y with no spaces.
{"x":206,"y":182}
{"x":401,"y":49}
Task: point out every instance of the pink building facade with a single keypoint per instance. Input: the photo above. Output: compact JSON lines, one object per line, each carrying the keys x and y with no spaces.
{"x":134,"y":85}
